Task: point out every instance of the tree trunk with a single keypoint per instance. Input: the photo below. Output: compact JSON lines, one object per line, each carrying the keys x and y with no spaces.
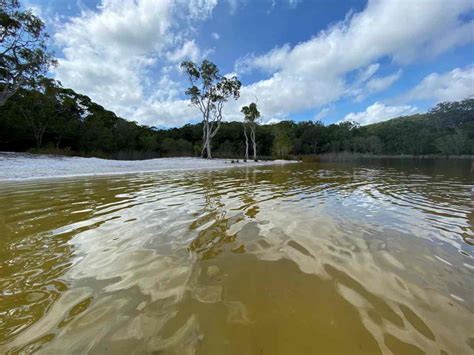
{"x":254,"y":143}
{"x":204,"y":125}
{"x":208,"y":145}
{"x":246,"y":143}
{"x":211,"y":134}
{"x":7,"y":93}
{"x":38,"y":133}
{"x":203,"y":150}
{"x":58,"y":142}
{"x":3,"y":99}
{"x":210,"y":129}
{"x":206,"y":137}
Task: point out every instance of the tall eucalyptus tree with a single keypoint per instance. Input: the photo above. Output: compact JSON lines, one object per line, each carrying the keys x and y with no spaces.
{"x":209,"y":91}
{"x":251,"y":114}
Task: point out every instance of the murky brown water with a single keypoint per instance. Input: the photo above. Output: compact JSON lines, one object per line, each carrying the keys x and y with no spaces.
{"x":297,"y":259}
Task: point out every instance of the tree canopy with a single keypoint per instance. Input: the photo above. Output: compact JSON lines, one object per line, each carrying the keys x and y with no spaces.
{"x":209,"y":91}
{"x":23,"y":53}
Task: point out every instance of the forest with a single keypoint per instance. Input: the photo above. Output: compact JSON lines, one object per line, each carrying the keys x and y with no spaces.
{"x":53,"y":119}
{"x":39,"y":115}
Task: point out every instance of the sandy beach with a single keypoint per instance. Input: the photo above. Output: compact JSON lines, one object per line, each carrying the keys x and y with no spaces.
{"x":21,"y":166}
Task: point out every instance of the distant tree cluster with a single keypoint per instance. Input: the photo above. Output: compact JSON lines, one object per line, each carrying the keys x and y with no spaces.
{"x":50,"y":118}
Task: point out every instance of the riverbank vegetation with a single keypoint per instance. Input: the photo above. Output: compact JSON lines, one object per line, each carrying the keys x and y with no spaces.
{"x":53,"y":119}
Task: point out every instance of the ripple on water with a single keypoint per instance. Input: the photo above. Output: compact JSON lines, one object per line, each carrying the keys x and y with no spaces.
{"x":284,"y":260}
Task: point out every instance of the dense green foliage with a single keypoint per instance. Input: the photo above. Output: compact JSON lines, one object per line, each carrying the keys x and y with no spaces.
{"x":23,"y":53}
{"x":55,"y":119}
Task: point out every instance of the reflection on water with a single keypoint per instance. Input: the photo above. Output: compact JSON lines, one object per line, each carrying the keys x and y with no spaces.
{"x":294,"y":259}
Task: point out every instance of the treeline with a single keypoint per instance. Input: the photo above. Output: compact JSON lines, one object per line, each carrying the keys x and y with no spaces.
{"x":37,"y":114}
{"x":50,"y":118}
{"x":447,"y":129}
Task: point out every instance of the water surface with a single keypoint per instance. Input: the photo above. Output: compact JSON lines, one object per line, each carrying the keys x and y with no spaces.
{"x":298,"y":259}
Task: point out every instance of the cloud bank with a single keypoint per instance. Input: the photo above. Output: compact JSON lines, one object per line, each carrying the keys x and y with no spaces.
{"x":379,"y":112}
{"x":125,"y":54}
{"x":113,"y":54}
{"x":454,"y":85}
{"x":314,"y":73}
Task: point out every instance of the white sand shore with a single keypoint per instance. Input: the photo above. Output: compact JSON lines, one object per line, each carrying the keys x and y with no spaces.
{"x":21,"y":166}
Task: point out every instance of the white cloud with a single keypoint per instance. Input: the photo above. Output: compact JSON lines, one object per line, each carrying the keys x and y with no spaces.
{"x":215,"y":35}
{"x":315,"y":73}
{"x":272,"y":6}
{"x":293,"y":3}
{"x":367,"y":73}
{"x":111,"y":53}
{"x":36,"y":10}
{"x":233,"y":5}
{"x":273,"y":121}
{"x":189,"y":50}
{"x":270,"y":62}
{"x":199,"y":9}
{"x":322,"y":114}
{"x":174,"y":112}
{"x":381,"y":83}
{"x":379,"y":112}
{"x":362,"y":89}
{"x":454,"y":85}
{"x":230,"y":75}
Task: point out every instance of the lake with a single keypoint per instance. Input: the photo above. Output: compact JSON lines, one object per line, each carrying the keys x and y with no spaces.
{"x":296,"y":259}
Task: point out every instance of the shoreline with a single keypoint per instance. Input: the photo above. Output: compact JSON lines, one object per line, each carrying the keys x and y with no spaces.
{"x":348,"y":156}
{"x":17,"y":167}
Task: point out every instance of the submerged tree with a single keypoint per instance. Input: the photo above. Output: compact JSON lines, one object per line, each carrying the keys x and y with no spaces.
{"x":209,"y":97}
{"x":251,"y":114}
{"x":23,"y":53}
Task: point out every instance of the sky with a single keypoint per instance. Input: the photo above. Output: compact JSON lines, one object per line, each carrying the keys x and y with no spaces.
{"x":327,"y":60}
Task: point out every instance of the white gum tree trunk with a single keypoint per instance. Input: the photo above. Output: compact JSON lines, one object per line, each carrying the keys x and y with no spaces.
{"x":246,"y":142}
{"x":254,"y":143}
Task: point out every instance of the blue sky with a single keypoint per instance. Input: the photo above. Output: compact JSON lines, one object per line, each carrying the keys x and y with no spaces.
{"x":304,"y":60}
